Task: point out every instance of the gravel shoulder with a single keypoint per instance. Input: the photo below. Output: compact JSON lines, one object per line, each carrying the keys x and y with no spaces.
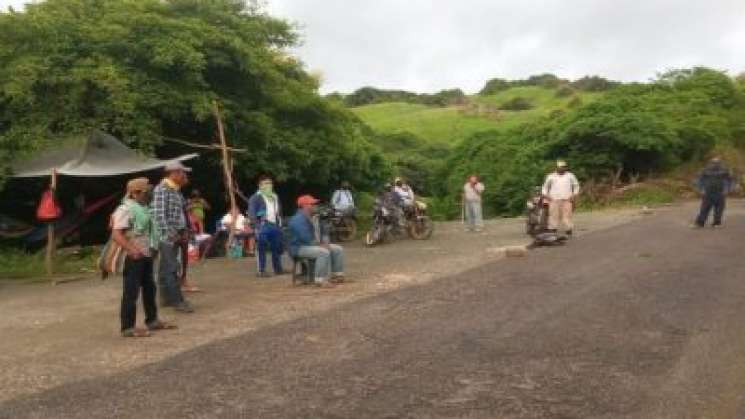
{"x":54,"y":335}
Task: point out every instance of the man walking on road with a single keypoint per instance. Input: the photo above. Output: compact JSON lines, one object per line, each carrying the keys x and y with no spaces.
{"x":472,"y":208}
{"x":714,"y":183}
{"x":561,"y":188}
{"x":170,"y":218}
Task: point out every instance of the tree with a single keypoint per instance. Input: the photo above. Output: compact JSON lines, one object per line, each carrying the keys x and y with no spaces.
{"x":147,"y":69}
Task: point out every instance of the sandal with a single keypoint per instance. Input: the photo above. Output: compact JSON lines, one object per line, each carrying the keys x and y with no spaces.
{"x":161,"y":325}
{"x":188,"y":287}
{"x":135,"y":333}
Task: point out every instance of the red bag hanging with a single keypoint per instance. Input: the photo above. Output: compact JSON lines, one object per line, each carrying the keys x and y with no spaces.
{"x":48,"y":209}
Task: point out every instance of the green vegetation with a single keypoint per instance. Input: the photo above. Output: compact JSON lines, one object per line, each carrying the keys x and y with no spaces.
{"x":148,"y":69}
{"x":436,"y":125}
{"x":636,"y":131}
{"x":19,"y":264}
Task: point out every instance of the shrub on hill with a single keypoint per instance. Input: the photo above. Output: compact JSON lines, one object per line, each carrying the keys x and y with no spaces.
{"x":594,"y":84}
{"x":564,"y":90}
{"x":516,"y":104}
{"x":372,"y":95}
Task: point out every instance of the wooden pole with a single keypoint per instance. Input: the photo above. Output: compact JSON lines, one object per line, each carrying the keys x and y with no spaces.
{"x":227,"y":169}
{"x":51,"y":240}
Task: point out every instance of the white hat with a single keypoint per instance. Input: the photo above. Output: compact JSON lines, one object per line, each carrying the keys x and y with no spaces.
{"x":173,"y":166}
{"x":561,"y":163}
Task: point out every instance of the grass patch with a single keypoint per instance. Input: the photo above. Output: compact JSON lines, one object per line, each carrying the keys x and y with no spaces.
{"x":20,"y":264}
{"x":449,"y":125}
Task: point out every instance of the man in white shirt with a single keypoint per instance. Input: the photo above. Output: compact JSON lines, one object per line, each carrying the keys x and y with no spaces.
{"x":472,"y":191}
{"x":561,"y":188}
{"x":342,"y":199}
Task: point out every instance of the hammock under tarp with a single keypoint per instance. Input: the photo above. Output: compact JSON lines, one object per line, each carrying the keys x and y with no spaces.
{"x":98,"y":155}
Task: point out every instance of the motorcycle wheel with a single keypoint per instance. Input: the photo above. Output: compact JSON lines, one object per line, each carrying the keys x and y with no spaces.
{"x":421,"y":228}
{"x":346,"y":229}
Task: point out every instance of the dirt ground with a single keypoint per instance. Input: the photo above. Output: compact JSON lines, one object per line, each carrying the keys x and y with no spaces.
{"x":53,"y":335}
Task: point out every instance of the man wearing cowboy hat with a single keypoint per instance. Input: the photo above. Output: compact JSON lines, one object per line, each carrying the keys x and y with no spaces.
{"x":170,"y":218}
{"x":561,"y":189}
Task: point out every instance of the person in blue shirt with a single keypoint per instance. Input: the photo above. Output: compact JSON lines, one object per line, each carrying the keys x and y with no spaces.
{"x":307,"y":241}
{"x":265,"y":213}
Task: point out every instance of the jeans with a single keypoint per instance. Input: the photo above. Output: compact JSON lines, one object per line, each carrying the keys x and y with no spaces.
{"x":138,"y":274}
{"x":328,"y":261}
{"x":270,"y":235}
{"x":709,"y":202}
{"x":168,"y":280}
{"x":474,"y":215}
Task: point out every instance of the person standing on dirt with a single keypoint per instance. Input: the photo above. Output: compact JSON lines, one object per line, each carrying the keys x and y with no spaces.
{"x":308,"y":242}
{"x":561,"y":188}
{"x":170,"y":218}
{"x":134,"y":231}
{"x":342,"y":199}
{"x":714,"y":183}
{"x":265,"y":212}
{"x":472,"y":207}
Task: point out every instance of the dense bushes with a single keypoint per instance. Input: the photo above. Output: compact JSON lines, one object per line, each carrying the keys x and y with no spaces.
{"x":635,"y":130}
{"x":371,"y":95}
{"x":564,"y":87}
{"x":150,"y":69}
{"x":516,"y":104}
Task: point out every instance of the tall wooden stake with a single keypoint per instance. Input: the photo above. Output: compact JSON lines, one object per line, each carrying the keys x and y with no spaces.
{"x":227,"y":168}
{"x":51,"y":240}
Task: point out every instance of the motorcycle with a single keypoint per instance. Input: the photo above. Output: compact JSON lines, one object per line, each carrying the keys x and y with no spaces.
{"x":537,"y":215}
{"x":416,"y":223}
{"x":536,"y":224}
{"x":420,"y":225}
{"x":342,"y":224}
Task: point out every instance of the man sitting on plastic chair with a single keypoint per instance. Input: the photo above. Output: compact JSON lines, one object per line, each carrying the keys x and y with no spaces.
{"x":310,"y":242}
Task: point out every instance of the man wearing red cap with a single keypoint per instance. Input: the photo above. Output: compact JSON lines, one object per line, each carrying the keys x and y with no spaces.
{"x":309,"y":242}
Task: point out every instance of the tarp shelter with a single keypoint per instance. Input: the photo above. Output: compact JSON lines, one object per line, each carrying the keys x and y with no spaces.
{"x":98,"y":155}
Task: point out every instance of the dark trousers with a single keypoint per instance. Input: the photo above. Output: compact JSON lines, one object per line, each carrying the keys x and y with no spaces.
{"x":709,"y":202}
{"x":138,"y":274}
{"x":270,"y":235}
{"x":168,"y":280}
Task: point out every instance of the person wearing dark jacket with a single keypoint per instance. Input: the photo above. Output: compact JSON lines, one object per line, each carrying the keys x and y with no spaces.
{"x":310,"y":242}
{"x":714,"y":183}
{"x":265,"y":212}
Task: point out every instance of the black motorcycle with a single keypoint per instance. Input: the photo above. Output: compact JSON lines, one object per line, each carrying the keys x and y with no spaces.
{"x":384,"y":225}
{"x":416,"y":223}
{"x":342,"y":225}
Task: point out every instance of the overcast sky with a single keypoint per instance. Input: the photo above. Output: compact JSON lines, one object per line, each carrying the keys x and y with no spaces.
{"x":427,"y":45}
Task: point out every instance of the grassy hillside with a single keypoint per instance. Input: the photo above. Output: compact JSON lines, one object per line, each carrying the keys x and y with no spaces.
{"x":449,"y":125}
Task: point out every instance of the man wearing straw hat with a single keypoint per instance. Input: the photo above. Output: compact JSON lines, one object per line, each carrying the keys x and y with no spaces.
{"x":133,"y":230}
{"x":561,"y":189}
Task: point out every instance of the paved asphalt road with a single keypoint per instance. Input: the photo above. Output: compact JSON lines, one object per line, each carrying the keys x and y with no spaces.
{"x":639,"y":321}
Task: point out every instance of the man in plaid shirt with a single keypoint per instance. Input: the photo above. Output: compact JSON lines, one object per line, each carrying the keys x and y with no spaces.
{"x":168,"y":213}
